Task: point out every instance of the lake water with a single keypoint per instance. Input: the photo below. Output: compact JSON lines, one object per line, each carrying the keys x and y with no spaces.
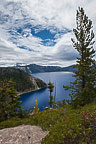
{"x":42,"y":96}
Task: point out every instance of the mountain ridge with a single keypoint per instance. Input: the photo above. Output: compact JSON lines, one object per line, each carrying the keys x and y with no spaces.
{"x":34,"y":68}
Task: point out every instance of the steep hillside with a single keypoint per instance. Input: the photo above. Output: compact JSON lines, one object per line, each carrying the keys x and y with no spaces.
{"x":33,"y":68}
{"x":23,"y":80}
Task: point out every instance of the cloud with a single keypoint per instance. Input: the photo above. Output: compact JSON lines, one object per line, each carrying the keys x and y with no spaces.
{"x":40,"y":31}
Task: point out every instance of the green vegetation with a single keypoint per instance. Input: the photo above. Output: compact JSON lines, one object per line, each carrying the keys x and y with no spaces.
{"x":51,"y":88}
{"x":9,"y":103}
{"x":36,"y":109}
{"x":22,"y":80}
{"x":84,"y":86}
{"x":40,"y":83}
{"x":65,"y":124}
{"x":12,"y":81}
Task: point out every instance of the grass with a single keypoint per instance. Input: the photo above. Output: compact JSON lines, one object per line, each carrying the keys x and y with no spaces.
{"x":65,"y":125}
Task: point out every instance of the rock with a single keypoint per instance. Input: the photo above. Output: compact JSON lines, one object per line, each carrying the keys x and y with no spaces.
{"x":24,"y":134}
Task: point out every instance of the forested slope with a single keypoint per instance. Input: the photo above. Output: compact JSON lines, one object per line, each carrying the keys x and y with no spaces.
{"x":22,"y":80}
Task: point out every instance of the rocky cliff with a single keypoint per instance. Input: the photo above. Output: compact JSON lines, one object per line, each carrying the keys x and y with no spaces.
{"x":23,"y":81}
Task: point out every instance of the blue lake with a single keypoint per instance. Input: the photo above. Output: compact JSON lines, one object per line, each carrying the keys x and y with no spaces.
{"x":42,"y":96}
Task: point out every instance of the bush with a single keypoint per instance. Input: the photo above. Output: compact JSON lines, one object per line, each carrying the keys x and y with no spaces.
{"x":65,"y":125}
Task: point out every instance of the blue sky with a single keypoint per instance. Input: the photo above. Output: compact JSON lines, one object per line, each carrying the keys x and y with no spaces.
{"x":40,"y":31}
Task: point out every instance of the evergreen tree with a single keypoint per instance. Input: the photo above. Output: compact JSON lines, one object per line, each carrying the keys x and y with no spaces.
{"x":51,"y":87}
{"x":9,"y":103}
{"x":84,"y":86}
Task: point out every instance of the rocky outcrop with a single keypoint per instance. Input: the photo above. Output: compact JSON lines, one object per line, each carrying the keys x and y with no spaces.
{"x":24,"y":134}
{"x":34,"y":82}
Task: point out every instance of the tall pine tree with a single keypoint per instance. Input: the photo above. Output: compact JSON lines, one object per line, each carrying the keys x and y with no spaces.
{"x":84,"y":86}
{"x":9,"y":103}
{"x":51,"y":88}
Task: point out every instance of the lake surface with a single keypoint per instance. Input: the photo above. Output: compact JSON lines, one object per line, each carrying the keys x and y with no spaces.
{"x":42,"y":96}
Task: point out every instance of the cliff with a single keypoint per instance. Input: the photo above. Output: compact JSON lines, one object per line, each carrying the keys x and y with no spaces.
{"x":24,"y":82}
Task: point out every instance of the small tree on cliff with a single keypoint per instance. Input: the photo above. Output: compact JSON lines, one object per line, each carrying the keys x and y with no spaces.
{"x":84,"y":86}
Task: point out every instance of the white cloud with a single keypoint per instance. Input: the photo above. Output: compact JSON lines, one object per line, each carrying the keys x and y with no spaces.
{"x":52,"y":14}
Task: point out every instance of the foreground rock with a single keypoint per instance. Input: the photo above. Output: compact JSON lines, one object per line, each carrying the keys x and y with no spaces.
{"x":24,"y":134}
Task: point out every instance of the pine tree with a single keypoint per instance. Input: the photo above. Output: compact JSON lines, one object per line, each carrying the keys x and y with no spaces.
{"x":14,"y":99}
{"x":9,"y":103}
{"x":3,"y":101}
{"x":84,"y":86}
{"x":51,"y":87}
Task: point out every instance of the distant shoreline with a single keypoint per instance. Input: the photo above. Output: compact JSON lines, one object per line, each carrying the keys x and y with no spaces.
{"x":52,"y":72}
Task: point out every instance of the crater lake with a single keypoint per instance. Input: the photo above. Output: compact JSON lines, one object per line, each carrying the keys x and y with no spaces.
{"x":43,"y":96}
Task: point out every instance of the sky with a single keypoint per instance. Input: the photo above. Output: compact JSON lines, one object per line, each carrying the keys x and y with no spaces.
{"x":40,"y":31}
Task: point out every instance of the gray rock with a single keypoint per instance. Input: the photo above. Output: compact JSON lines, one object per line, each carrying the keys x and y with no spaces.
{"x":24,"y":134}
